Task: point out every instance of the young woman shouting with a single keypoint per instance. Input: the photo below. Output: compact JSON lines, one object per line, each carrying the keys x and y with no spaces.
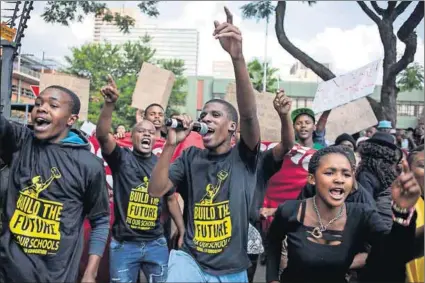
{"x":324,"y":233}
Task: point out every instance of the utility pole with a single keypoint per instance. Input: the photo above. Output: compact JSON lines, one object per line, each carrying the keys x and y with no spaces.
{"x":16,"y":15}
{"x":265,"y":56}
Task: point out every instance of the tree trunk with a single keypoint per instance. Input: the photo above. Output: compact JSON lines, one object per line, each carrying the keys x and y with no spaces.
{"x":389,"y":89}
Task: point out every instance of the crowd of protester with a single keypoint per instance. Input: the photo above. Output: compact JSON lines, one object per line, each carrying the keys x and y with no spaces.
{"x":309,"y":210}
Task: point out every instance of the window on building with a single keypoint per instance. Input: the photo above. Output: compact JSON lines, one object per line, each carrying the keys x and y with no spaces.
{"x":406,"y":109}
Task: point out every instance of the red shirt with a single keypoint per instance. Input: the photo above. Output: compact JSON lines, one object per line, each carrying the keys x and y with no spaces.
{"x":291,"y":179}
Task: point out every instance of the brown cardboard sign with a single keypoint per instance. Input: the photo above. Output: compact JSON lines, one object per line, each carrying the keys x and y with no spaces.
{"x":153,"y":85}
{"x":80,"y":86}
{"x":268,"y":118}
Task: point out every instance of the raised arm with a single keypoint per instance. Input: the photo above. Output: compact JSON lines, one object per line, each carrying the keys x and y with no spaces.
{"x":160,"y":182}
{"x":282,"y":104}
{"x":104,"y":124}
{"x":231,"y":40}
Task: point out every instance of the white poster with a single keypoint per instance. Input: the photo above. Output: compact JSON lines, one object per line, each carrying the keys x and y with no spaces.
{"x":346,"y":88}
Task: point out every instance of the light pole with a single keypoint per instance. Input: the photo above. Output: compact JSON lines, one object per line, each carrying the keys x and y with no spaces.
{"x":10,"y":48}
{"x":265,"y":56}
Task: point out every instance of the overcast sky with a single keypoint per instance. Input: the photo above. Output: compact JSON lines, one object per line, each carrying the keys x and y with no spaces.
{"x":339,"y":33}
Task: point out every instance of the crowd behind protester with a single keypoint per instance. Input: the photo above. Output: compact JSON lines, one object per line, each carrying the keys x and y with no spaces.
{"x":352,"y":211}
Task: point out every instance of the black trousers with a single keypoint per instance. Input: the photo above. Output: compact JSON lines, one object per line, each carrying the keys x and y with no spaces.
{"x":251,"y":270}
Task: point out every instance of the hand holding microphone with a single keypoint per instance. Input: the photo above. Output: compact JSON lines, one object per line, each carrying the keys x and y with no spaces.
{"x":178,"y":134}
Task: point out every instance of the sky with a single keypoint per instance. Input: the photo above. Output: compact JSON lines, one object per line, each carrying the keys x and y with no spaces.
{"x":335,"y":32}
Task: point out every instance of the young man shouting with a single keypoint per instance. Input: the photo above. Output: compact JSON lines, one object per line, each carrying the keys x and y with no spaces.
{"x":138,"y":237}
{"x":216,"y":183}
{"x":54,"y":183}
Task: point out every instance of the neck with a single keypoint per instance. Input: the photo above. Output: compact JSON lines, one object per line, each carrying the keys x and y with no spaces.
{"x":158,"y":133}
{"x":59,"y":137}
{"x":141,"y":154}
{"x":327,"y":212}
{"x":221,"y":149}
{"x":307,"y":142}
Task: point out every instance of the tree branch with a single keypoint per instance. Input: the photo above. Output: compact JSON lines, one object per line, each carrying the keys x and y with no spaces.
{"x":400,"y":9}
{"x":377,"y":9}
{"x":412,"y":22}
{"x":305,"y":59}
{"x":407,"y":58}
{"x":369,"y":12}
{"x":390,"y":7}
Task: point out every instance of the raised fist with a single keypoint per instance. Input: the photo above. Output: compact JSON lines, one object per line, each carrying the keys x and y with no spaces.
{"x":110,"y":91}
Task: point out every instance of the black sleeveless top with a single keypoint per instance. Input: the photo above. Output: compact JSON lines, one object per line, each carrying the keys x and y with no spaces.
{"x":309,"y":261}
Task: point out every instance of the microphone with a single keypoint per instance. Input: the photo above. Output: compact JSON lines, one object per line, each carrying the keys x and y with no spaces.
{"x":198,"y":127}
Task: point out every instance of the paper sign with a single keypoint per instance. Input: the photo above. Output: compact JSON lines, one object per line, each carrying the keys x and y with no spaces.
{"x":153,"y":85}
{"x":80,"y":86}
{"x":346,"y":88}
{"x":88,"y":127}
{"x":268,"y":118}
{"x":7,"y":32}
{"x":350,"y":118}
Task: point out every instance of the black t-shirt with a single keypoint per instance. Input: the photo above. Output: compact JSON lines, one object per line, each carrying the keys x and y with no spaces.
{"x":51,"y":189}
{"x":217,"y":193}
{"x":136,"y":212}
{"x":314,"y":262}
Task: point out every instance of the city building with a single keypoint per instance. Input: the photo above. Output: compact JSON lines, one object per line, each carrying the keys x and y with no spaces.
{"x":223,"y":70}
{"x":299,"y":72}
{"x":169,"y":43}
{"x":410,"y":105}
{"x":26,"y":72}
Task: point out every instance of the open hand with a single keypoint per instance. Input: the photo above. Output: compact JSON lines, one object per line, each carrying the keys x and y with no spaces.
{"x":110,"y":91}
{"x":175,"y":136}
{"x":229,"y":36}
{"x":282,"y":103}
{"x":405,"y":189}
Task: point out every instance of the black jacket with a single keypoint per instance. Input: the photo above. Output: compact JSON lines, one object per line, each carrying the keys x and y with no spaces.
{"x":51,"y":189}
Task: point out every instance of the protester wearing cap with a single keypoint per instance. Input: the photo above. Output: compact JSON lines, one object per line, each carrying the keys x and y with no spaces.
{"x":346,"y":140}
{"x":384,"y":126}
{"x":304,"y":125}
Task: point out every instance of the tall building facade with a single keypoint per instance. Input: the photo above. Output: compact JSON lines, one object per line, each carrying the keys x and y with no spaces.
{"x":169,"y":43}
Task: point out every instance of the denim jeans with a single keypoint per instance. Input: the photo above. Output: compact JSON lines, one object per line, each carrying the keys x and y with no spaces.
{"x":126,"y":259}
{"x":183,"y":268}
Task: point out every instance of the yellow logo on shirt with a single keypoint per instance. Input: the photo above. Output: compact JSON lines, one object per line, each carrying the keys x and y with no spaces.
{"x":212,"y":223}
{"x":36,"y":221}
{"x":142,"y":211}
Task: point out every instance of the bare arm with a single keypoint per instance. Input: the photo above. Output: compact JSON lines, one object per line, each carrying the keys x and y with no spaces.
{"x":160,"y":182}
{"x":321,"y":124}
{"x":231,"y":40}
{"x":282,"y":105}
{"x":90,"y":273}
{"x":104,"y":124}
{"x":176,"y":215}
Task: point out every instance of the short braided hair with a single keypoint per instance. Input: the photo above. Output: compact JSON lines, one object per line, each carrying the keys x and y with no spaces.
{"x":317,"y":156}
{"x":413,"y":154}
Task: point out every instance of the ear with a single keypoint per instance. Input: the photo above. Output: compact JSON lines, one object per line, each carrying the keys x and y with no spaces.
{"x":314,"y":128}
{"x":311,"y":180}
{"x":72,"y":120}
{"x":232,"y":127}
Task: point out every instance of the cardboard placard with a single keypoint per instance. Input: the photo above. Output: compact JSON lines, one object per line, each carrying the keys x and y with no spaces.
{"x":153,"y":85}
{"x":80,"y":86}
{"x":350,"y":118}
{"x":268,"y":118}
{"x":346,"y":88}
